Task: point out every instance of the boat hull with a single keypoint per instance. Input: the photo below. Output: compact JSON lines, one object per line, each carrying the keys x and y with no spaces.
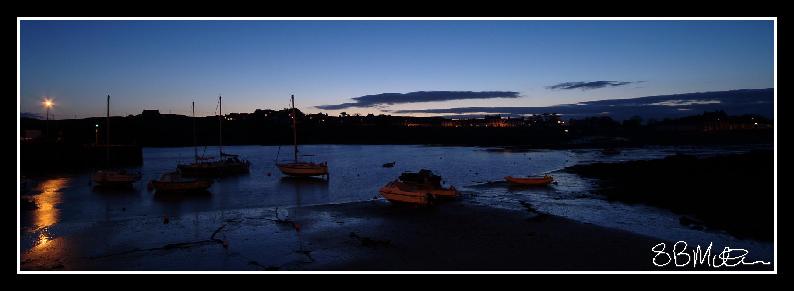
{"x":541,"y":181}
{"x":303,"y":169}
{"x":401,"y":193}
{"x":114,"y":179}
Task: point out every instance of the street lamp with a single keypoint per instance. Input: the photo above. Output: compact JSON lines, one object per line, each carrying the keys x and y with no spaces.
{"x":47,"y":104}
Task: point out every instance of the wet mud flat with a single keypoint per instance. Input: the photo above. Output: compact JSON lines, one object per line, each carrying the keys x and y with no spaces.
{"x":372,"y":235}
{"x":732,"y":192}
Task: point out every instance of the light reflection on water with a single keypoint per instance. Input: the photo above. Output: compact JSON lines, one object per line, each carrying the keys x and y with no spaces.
{"x":356,"y":173}
{"x":47,"y":213}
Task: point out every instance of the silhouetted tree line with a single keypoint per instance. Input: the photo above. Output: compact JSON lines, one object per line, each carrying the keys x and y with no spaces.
{"x":271,"y":127}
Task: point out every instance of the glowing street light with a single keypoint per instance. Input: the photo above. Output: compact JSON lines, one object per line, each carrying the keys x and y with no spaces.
{"x":47,"y":104}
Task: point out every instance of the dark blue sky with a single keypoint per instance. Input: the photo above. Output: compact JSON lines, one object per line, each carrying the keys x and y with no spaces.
{"x":257,"y":64}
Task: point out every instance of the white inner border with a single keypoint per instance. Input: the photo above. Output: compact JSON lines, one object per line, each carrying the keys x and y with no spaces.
{"x":774,"y":19}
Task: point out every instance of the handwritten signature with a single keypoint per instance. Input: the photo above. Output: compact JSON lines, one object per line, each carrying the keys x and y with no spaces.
{"x":680,"y":257}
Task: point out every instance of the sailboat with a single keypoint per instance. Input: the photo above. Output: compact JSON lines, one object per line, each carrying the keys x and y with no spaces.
{"x":113,"y":178}
{"x":227,"y":164}
{"x":297,"y":168}
{"x":176,"y":182}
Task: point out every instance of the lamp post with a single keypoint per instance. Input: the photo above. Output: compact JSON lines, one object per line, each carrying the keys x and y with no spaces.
{"x":47,"y":105}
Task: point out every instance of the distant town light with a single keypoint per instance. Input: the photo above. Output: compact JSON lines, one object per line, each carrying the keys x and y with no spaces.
{"x":96,"y":125}
{"x":756,"y":123}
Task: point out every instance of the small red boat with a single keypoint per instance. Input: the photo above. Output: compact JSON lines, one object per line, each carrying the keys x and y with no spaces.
{"x":530,"y":181}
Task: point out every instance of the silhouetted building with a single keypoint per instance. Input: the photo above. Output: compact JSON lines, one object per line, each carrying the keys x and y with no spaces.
{"x":713,"y":122}
{"x":150,"y":113}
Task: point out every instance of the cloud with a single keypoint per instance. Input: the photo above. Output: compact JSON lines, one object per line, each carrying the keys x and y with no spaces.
{"x":416,"y":97}
{"x":746,"y":101}
{"x":589,"y":85}
{"x":676,"y":102}
{"x":30,"y":115}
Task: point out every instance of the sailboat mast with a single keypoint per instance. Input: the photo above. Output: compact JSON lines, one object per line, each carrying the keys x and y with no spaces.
{"x":107,"y":136}
{"x":220,"y":126}
{"x":294,"y":130}
{"x":195,"y":150}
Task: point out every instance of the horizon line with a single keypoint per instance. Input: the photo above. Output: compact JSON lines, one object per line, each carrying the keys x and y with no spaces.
{"x":433,"y":114}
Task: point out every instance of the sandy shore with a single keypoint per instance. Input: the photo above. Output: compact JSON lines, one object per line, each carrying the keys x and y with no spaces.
{"x":372,"y":235}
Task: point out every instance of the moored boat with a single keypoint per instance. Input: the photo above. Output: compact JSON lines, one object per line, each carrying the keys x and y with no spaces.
{"x":530,"y":181}
{"x":115,"y":178}
{"x":304,"y":169}
{"x":225,"y":165}
{"x":298,"y":168}
{"x":230,"y":165}
{"x":109,"y":177}
{"x":175,"y":182}
{"x":423,"y":188}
